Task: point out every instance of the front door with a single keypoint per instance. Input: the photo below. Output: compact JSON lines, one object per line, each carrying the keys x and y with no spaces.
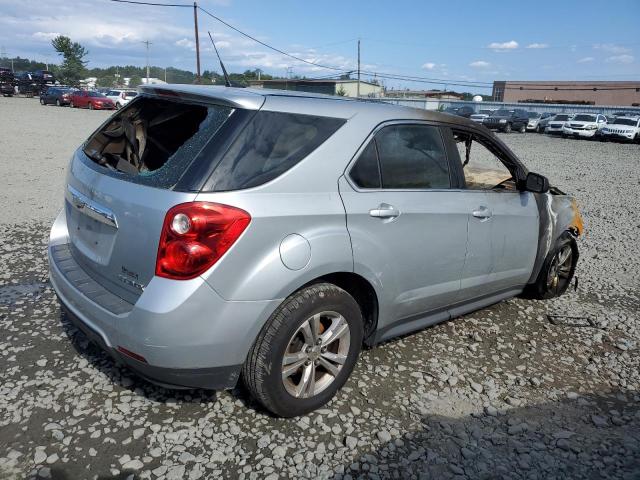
{"x":503,"y":221}
{"x":407,"y":228}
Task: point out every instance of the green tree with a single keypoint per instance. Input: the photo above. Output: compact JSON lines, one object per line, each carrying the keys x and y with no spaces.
{"x":135,"y":81}
{"x":73,"y":68}
{"x":106,"y":81}
{"x":341,"y":92}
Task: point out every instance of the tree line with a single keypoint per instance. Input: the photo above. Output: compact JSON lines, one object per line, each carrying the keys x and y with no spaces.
{"x":74,"y":68}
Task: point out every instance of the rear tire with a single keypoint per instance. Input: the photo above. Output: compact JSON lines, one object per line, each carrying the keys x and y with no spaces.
{"x":90,"y":106}
{"x":58,"y":102}
{"x":522,"y":129}
{"x":71,"y":105}
{"x":557,"y":270}
{"x":318,"y":325}
{"x":507,"y":128}
{"x":42,"y":102}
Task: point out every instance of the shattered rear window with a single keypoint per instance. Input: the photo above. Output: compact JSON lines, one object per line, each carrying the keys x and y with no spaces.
{"x":153,"y":141}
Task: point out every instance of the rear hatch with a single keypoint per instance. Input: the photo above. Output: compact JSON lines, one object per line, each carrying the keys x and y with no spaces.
{"x":125,"y":178}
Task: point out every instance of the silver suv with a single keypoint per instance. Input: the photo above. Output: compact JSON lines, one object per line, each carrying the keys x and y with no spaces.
{"x":209,"y":232}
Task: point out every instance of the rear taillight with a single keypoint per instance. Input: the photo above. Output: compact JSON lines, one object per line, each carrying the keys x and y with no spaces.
{"x":194,"y":237}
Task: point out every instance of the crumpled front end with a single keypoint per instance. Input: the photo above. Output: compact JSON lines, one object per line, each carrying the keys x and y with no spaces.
{"x":558,"y":214}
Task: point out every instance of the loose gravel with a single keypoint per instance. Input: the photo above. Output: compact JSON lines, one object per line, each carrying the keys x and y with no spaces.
{"x":500,"y":393}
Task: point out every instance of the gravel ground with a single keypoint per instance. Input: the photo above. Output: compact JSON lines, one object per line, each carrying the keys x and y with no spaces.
{"x":500,"y":393}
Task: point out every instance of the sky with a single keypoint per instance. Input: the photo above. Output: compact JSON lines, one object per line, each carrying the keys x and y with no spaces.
{"x":453,"y":41}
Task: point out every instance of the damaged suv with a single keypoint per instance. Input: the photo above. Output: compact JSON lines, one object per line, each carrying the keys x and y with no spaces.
{"x":209,"y":232}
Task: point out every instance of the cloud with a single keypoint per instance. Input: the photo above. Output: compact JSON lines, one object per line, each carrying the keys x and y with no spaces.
{"x":537,"y":45}
{"x":625,"y":59}
{"x":48,"y":36}
{"x":586,"y":60}
{"x":612,"y":48}
{"x":479,"y":64}
{"x":429,"y":66}
{"x":503,"y":46}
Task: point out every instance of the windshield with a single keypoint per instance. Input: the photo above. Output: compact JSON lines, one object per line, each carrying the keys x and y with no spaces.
{"x":130,"y":94}
{"x":584,"y":118}
{"x":625,"y":121}
{"x":95,"y":94}
{"x":561,"y":117}
{"x":502,"y":113}
{"x":451,"y":109}
{"x":485,"y":112}
{"x":533,"y":115}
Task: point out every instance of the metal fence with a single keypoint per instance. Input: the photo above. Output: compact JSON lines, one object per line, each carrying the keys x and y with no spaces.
{"x":434,"y":104}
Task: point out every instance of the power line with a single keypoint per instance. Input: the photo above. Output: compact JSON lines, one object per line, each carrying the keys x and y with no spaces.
{"x":134,"y":2}
{"x":329,"y":67}
{"x":391,"y":76}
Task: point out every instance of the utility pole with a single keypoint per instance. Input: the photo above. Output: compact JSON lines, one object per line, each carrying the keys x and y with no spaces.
{"x":147,"y":43}
{"x":358,"y":89}
{"x":195,"y":23}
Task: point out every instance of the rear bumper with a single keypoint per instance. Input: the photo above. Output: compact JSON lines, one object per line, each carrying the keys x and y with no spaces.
{"x":188,"y":335}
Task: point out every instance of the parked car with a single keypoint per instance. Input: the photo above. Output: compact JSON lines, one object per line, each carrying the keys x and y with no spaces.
{"x":534,"y":119}
{"x":282,"y":231}
{"x":584,"y":125}
{"x":121,"y":97}
{"x":555,"y":125}
{"x":622,"y":128}
{"x":6,"y":82}
{"x":44,"y":77}
{"x":91,"y":100}
{"x":481,"y":115}
{"x":464,"y":111}
{"x":59,"y":96}
{"x":544,"y":120}
{"x":507,"y":120}
{"x":629,"y":113}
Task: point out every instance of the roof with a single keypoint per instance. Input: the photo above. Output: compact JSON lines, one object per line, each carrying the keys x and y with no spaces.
{"x":287,"y":100}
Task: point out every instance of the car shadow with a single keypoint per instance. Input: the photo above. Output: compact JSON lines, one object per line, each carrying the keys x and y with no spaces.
{"x":589,"y":436}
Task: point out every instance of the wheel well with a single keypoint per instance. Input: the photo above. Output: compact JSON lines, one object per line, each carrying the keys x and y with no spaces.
{"x":363,"y":293}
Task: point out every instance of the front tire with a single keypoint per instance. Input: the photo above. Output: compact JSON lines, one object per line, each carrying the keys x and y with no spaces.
{"x":306,"y":351}
{"x":557,"y":270}
{"x":522,"y":129}
{"x":58,"y":103}
{"x":42,"y":102}
{"x":507,"y":128}
{"x":90,"y":106}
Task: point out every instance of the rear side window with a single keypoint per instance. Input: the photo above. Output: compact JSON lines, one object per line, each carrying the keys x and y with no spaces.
{"x":366,"y":171}
{"x":268,"y":146}
{"x":412,"y":157}
{"x":153,"y":141}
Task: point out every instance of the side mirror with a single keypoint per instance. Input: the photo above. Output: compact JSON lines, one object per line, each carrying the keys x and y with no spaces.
{"x":536,"y":183}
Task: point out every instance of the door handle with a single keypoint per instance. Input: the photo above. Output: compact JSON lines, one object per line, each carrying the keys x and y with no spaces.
{"x":482,"y":212}
{"x":384,"y":211}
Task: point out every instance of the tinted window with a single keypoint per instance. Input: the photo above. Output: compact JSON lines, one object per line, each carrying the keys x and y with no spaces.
{"x":625,"y":121}
{"x":585,"y":118}
{"x":561,"y":117}
{"x":412,"y":156}
{"x":366,"y":171}
{"x":271,"y":144}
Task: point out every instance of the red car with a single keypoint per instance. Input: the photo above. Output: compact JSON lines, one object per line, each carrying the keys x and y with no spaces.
{"x":90,"y":100}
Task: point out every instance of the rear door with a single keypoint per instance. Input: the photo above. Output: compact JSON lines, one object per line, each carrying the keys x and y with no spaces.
{"x":407,"y":228}
{"x":115,"y":214}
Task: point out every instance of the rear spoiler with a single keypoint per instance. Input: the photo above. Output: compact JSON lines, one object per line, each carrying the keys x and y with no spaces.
{"x":226,"y":96}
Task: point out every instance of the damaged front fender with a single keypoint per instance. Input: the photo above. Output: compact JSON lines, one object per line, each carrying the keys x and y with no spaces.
{"x":558,"y":214}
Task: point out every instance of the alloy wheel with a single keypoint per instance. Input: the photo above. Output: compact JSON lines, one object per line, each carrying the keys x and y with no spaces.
{"x":315,"y":354}
{"x":560,"y":269}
